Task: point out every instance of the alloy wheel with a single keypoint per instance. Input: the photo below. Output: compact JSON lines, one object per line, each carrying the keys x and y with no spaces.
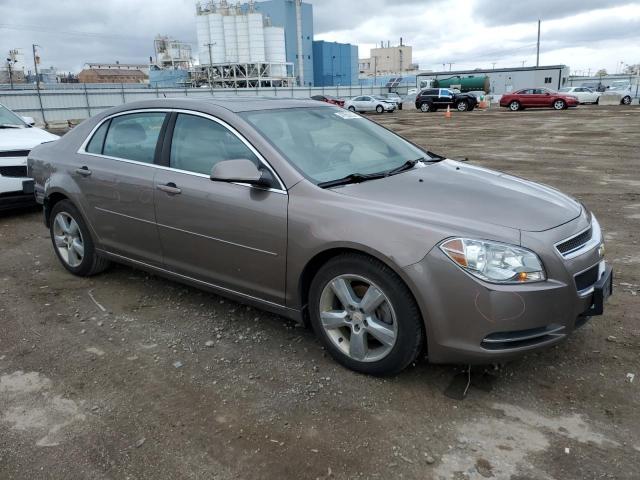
{"x":514,"y":106}
{"x":358,"y":318}
{"x":558,"y":105}
{"x":68,"y":239}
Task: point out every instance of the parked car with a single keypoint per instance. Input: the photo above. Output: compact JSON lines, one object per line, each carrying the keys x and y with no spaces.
{"x":17,"y":137}
{"x":431,"y":99}
{"x":369,"y":103}
{"x":538,"y":98}
{"x":595,"y":86}
{"x":392,"y":97}
{"x":583,"y":94}
{"x":319,"y":214}
{"x":328,"y":99}
{"x":624,"y":91}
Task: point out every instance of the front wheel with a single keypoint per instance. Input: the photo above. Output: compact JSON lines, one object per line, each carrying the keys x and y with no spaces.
{"x":365,"y":315}
{"x":626,"y":100}
{"x":559,"y":105}
{"x":352,"y":108}
{"x":72,"y":241}
{"x":380,"y":109}
{"x":514,"y":106}
{"x":462,"y":106}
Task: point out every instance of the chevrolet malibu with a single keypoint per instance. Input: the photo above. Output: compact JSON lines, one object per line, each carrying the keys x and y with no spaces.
{"x":318,"y":214}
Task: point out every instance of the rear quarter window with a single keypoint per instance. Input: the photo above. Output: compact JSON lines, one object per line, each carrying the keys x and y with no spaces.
{"x":97,"y":141}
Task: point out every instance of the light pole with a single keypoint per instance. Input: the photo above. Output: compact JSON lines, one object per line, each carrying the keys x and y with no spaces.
{"x":210,"y":62}
{"x":9,"y":65}
{"x":333,"y":72}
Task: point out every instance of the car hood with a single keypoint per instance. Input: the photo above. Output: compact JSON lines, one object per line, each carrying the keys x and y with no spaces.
{"x":467,"y":192}
{"x":23,"y":138}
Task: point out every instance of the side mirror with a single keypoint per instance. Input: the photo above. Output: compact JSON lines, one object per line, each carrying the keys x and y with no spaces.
{"x":29,"y":121}
{"x":241,"y":171}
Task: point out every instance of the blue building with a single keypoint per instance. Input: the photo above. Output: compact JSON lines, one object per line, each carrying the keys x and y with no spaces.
{"x":335,"y":64}
{"x":283,"y":13}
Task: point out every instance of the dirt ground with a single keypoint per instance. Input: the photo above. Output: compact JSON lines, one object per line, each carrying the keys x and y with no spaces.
{"x":133,"y":392}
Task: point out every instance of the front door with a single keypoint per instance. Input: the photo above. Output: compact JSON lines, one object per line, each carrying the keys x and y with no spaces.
{"x":116,"y":177}
{"x":229,"y":235}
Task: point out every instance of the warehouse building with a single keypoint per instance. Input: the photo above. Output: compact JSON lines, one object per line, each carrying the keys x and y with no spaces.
{"x":334,"y":64}
{"x":503,"y":80}
{"x":113,"y":73}
{"x":388,"y":59}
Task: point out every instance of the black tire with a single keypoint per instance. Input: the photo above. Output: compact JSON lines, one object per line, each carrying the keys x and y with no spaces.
{"x":514,"y":106}
{"x":352,"y":108}
{"x":380,"y":109}
{"x":626,"y":100}
{"x":559,"y":104}
{"x":410,"y":329}
{"x":597,"y":102}
{"x":400,"y":106}
{"x":91,"y":263}
{"x":462,"y":106}
{"x":426,"y":107}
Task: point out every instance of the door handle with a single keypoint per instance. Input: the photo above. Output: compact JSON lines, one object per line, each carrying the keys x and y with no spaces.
{"x":84,"y":171}
{"x":169,"y":188}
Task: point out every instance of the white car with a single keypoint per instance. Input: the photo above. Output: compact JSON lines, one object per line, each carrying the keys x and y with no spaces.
{"x":17,"y":137}
{"x":583,"y":94}
{"x":369,"y":103}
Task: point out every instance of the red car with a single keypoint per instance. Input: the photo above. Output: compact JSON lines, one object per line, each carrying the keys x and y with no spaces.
{"x":328,"y":99}
{"x":537,"y":98}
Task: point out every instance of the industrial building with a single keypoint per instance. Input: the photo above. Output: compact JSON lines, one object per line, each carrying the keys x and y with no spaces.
{"x":388,"y":60}
{"x":296,"y":18}
{"x":12,"y":70}
{"x":113,"y":73}
{"x":504,"y":80}
{"x":171,"y":53}
{"x":240,"y":48}
{"x":334,"y":64}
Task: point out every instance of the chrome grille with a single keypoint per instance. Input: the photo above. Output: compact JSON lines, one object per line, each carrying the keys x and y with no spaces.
{"x":575,"y":243}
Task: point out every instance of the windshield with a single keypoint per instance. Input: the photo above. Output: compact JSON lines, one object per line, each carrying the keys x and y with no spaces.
{"x":328,"y":143}
{"x":7,"y":117}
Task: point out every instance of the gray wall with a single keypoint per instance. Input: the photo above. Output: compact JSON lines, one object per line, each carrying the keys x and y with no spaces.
{"x":60,"y":105}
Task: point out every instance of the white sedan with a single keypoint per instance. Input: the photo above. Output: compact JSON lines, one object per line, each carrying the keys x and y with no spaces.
{"x":17,"y":137}
{"x":369,"y":103}
{"x":583,"y":94}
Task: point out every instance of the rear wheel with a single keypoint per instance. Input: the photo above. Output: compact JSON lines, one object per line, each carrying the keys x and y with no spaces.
{"x":626,"y":100}
{"x":514,"y":106}
{"x":72,"y":241}
{"x":462,"y":106}
{"x":352,"y":108}
{"x":559,"y":105}
{"x":365,"y":315}
{"x":426,"y":107}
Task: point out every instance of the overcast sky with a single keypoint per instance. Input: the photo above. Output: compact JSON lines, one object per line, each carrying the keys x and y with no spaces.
{"x":584,"y":34}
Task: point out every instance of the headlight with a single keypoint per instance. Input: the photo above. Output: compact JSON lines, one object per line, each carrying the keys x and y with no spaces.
{"x":495,"y":262}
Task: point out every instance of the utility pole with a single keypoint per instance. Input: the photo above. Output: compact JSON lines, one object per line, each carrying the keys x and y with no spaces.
{"x":210,"y":63}
{"x":493,"y":65}
{"x":375,"y":70}
{"x":538,"y":46}
{"x":36,"y":60}
{"x":450,"y":64}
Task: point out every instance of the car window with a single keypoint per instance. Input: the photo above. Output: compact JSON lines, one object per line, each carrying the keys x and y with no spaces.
{"x":366,"y":99}
{"x":445,"y":92}
{"x":199,"y":143}
{"x":134,"y":136}
{"x":328,"y":143}
{"x":7,"y":117}
{"x":358,"y":99}
{"x":97,"y":141}
{"x":568,"y":89}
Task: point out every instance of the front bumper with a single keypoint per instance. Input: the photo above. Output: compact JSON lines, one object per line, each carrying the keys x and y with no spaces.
{"x":473,"y":322}
{"x":24,"y":197}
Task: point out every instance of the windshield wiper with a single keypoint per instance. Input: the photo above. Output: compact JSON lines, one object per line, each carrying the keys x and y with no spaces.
{"x":435,"y":157}
{"x":351,"y":178}
{"x":408,"y":165}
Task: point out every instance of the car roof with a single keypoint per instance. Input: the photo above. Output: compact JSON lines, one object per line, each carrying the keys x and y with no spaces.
{"x":233,"y":104}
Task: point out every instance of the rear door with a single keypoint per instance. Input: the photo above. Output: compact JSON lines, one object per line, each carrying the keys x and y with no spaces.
{"x":230,"y":235}
{"x":115,"y":177}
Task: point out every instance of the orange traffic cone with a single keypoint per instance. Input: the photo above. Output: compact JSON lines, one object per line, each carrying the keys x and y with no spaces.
{"x":448,"y":114}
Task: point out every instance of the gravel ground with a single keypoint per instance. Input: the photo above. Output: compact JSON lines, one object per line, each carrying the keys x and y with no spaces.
{"x":127,"y":375}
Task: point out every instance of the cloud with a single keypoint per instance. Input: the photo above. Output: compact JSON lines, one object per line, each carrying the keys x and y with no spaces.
{"x":507,"y":12}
